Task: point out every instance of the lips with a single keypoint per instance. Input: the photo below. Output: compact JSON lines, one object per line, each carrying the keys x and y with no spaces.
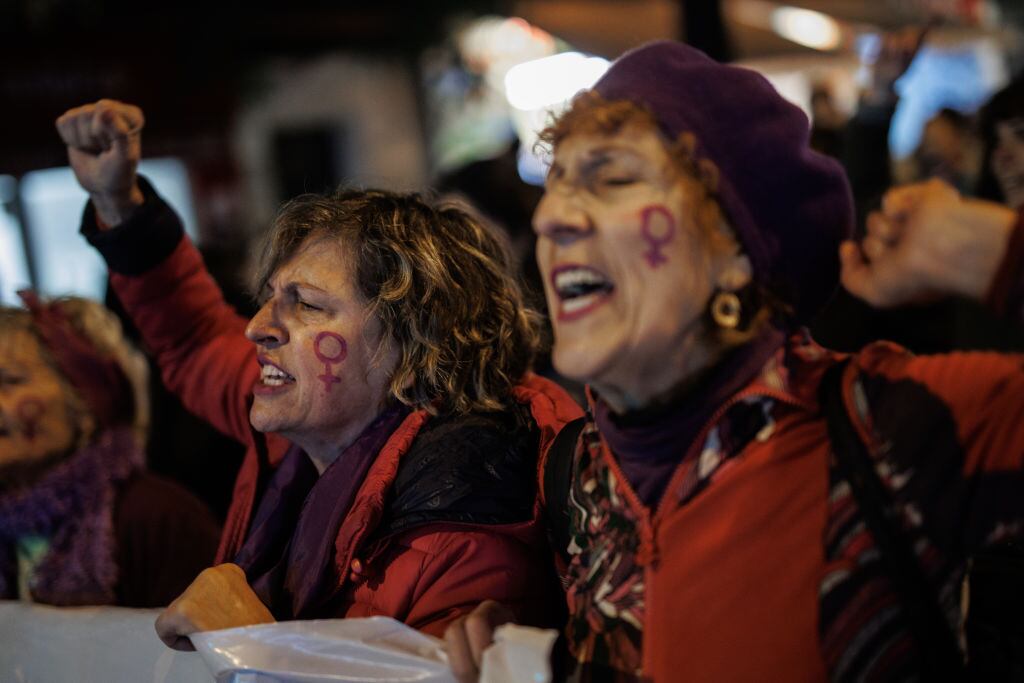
{"x":580,"y":289}
{"x":273,"y":377}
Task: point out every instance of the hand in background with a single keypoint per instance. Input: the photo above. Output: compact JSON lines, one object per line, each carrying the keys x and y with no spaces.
{"x":104,"y":142}
{"x":219,"y":598}
{"x":926,"y":242}
{"x":468,"y":637}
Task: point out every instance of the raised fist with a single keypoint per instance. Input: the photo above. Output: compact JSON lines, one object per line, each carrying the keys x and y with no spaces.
{"x":104,"y":147}
{"x":926,"y":242}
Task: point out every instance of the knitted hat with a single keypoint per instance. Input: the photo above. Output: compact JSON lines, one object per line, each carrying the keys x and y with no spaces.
{"x":790,"y":206}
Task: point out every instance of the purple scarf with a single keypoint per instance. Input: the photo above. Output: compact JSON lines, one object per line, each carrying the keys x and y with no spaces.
{"x":288,"y":556}
{"x":72,"y":505}
{"x":650,"y":444}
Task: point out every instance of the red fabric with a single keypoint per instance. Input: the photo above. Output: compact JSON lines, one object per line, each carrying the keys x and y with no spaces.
{"x":731,"y":584}
{"x":1006,"y":283}
{"x":426,"y":576}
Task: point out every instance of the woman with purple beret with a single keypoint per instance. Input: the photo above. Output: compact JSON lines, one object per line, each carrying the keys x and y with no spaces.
{"x":705,"y":528}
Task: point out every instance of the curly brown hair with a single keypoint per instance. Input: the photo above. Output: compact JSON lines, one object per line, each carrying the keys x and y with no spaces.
{"x":440,"y":283}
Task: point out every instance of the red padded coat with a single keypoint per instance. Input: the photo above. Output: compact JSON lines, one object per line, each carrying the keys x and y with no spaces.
{"x":424,"y":576}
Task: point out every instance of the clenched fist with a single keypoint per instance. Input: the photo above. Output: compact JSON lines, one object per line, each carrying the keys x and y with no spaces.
{"x":104,"y":147}
{"x":927,"y":241}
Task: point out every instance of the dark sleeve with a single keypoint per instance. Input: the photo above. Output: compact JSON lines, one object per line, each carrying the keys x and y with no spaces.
{"x":141,"y":242}
{"x":865,"y":155}
{"x":165,"y":537}
{"x":1006,"y":296}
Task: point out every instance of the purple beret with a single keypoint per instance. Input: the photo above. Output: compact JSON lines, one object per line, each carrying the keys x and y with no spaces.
{"x":789,"y":205}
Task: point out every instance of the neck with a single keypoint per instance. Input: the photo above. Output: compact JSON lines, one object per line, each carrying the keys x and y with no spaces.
{"x":324,"y":449}
{"x":642,"y":388}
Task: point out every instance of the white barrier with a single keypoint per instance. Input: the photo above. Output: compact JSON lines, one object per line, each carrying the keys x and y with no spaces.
{"x":40,"y":644}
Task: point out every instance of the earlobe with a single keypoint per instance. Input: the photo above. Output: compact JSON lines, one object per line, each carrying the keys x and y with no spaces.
{"x":735,"y":274}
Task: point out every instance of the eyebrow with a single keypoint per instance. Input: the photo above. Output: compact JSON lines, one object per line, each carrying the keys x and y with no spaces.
{"x":604,"y":155}
{"x":613,"y":149}
{"x":292,"y":288}
{"x":596,"y":158}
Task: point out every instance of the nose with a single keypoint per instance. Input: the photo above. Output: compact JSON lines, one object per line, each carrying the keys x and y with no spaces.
{"x":265,"y":329}
{"x":560,"y":217}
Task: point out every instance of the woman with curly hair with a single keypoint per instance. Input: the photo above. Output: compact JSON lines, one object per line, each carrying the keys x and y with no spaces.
{"x":384,"y":393}
{"x":77,"y":511}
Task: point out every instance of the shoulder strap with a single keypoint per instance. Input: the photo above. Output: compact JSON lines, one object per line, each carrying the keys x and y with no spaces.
{"x":557,"y":479}
{"x":941,"y":657}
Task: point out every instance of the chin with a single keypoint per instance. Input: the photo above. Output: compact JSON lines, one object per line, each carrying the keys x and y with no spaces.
{"x":262,"y":420}
{"x":578,"y":363}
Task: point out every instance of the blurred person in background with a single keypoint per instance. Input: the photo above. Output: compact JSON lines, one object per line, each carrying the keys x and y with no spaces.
{"x":950,"y":151}
{"x":81,"y":522}
{"x":382,"y":389}
{"x":707,"y":527}
{"x":827,"y":122}
{"x":1002,"y":132}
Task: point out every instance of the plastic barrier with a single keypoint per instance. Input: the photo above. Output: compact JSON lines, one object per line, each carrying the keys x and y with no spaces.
{"x":40,"y":644}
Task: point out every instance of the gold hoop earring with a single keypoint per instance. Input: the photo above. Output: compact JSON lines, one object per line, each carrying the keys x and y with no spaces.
{"x":726,"y":310}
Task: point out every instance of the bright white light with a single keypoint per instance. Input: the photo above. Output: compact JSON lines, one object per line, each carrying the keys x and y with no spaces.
{"x":806,"y":27}
{"x":13,"y":263}
{"x":52,"y":204}
{"x":551,"y":80}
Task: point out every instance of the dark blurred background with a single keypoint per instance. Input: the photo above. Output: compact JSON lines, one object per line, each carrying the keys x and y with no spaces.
{"x":248,"y":104}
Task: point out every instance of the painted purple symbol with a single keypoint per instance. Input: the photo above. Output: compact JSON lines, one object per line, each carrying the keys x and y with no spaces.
{"x":658,"y":229}
{"x":28,"y":412}
{"x":330,"y":348}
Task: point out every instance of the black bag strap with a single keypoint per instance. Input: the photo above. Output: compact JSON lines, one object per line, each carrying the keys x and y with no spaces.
{"x":937,"y":645}
{"x":557,"y":480}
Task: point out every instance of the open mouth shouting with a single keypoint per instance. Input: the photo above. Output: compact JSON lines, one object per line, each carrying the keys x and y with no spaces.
{"x":272,"y":378}
{"x":580,"y":289}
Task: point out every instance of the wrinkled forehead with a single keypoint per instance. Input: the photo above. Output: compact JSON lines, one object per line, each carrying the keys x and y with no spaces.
{"x":639,"y":142}
{"x":318,"y":252}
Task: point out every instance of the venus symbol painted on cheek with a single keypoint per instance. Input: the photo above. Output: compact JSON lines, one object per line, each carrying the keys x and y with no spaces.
{"x":28,"y":412}
{"x":330,"y":348}
{"x":658,"y":228}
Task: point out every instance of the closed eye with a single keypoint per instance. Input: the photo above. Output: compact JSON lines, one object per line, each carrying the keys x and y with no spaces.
{"x":10,"y":379}
{"x":619,"y":182}
{"x":307,"y":306}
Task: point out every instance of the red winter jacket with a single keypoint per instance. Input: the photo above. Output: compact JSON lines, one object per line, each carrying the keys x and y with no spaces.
{"x":756,"y":564}
{"x":424,"y":574}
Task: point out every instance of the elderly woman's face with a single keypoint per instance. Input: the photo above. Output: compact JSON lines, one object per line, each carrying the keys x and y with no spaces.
{"x":627,"y":270}
{"x":315,"y":344}
{"x":35,"y":421}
